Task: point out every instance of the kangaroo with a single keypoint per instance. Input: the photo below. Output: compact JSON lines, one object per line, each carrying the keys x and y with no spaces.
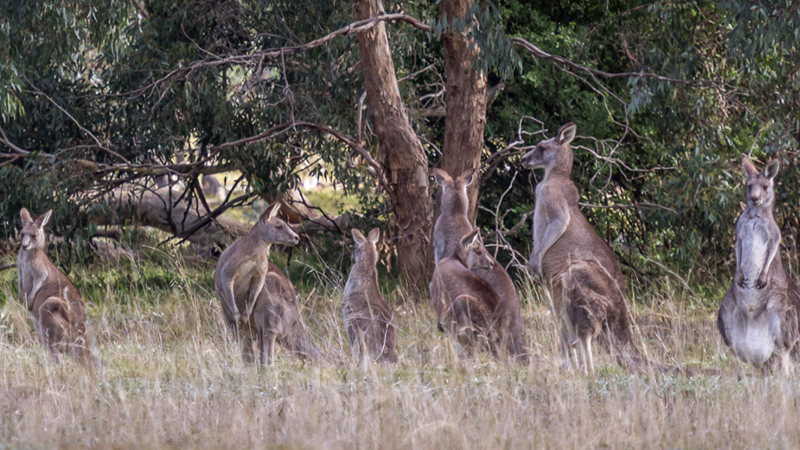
{"x":758,"y":318}
{"x":451,"y":226}
{"x":276,"y":318}
{"x":453,"y":222}
{"x":55,"y":304}
{"x":242,"y":269}
{"x":369,"y":319}
{"x":63,"y":331}
{"x":577,"y":267}
{"x":467,"y":307}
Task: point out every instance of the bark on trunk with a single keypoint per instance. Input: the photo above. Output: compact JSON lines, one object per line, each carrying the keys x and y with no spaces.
{"x":402,"y":156}
{"x":465,"y":97}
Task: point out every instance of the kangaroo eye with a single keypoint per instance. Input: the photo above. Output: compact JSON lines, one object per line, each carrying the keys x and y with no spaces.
{"x":279,"y":227}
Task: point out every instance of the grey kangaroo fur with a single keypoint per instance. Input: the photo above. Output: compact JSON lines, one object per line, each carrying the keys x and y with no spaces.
{"x":55,"y":304}
{"x":576,"y":266}
{"x":758,"y":318}
{"x":451,"y":226}
{"x":370,"y":323}
{"x":276,"y":318}
{"x":247,"y":282}
{"x":466,"y":305}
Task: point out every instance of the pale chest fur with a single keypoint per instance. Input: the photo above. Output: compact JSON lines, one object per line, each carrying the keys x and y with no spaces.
{"x":361,"y":285}
{"x":540,"y":216}
{"x":34,"y":269}
{"x":245,"y":271}
{"x":755,"y":234}
{"x":549,"y":192}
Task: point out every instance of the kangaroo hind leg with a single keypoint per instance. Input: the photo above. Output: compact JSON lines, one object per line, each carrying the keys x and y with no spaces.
{"x":472,"y":319}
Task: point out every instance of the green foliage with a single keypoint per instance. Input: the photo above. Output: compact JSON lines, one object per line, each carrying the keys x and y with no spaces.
{"x":657,"y":162}
{"x":684,"y":146}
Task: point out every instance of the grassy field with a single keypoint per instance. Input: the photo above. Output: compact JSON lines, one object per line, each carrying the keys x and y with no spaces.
{"x":172,"y":377}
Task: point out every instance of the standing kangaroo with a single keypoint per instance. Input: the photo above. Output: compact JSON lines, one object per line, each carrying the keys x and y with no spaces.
{"x":54,"y":303}
{"x":467,"y":306}
{"x":276,"y":318}
{"x":242,"y":276}
{"x":451,"y":226}
{"x":369,"y":319}
{"x":758,"y":318}
{"x":578,"y":268}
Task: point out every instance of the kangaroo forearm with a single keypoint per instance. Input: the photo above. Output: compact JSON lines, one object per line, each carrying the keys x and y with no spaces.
{"x":254,"y":293}
{"x":231,"y":299}
{"x":738,"y":250}
{"x":37,"y":285}
{"x":773,"y":251}
{"x":551,"y":235}
{"x":22,"y":295}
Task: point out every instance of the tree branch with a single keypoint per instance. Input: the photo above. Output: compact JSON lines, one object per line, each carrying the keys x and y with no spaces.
{"x":536,"y":52}
{"x":353,"y":28}
{"x":14,"y":148}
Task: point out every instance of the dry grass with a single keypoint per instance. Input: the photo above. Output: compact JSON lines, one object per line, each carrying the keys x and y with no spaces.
{"x":173,"y":378}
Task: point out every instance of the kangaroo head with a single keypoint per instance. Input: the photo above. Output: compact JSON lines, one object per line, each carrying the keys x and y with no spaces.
{"x":365,"y":246}
{"x":33,"y":236}
{"x":760,"y":186}
{"x":271,"y":228}
{"x":454,"y":190}
{"x":553,"y":154}
{"x":473,"y":254}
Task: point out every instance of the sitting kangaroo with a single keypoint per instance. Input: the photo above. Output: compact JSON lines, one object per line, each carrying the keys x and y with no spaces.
{"x":369,"y":319}
{"x":54,"y":303}
{"x":451,"y":226}
{"x":577,"y":267}
{"x":276,"y":318}
{"x":466,"y":305}
{"x":758,"y":318}
{"x":241,"y":276}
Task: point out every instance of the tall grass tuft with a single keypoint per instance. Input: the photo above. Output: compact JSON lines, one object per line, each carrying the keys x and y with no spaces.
{"x":172,"y":377}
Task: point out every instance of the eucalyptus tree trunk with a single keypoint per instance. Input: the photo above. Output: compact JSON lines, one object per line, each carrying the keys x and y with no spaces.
{"x":402,"y":156}
{"x":465,"y":98}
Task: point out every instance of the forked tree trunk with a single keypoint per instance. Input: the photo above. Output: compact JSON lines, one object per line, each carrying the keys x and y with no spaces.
{"x":465,"y":98}
{"x":402,"y":156}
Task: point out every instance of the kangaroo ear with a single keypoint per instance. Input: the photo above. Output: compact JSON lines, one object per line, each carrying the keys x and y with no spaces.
{"x":374,"y":235}
{"x":270,"y":212}
{"x":567,"y":133}
{"x":748,"y":167}
{"x":442,"y":177}
{"x":25,"y":216}
{"x":42,"y":220}
{"x":358,"y":237}
{"x":772,"y":169}
{"x":468,"y":176}
{"x":471,"y":237}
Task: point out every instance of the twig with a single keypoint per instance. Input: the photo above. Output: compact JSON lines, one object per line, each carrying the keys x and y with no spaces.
{"x":619,"y":206}
{"x":14,"y":148}
{"x":536,"y":52}
{"x":353,"y":28}
{"x":94,"y":138}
